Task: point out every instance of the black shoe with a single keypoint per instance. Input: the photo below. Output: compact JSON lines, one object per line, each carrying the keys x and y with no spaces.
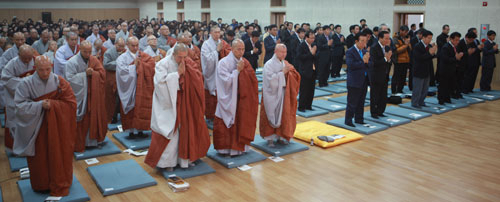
{"x":424,"y":105}
{"x":302,"y":110}
{"x":375,"y":116}
{"x":350,"y":124}
{"x":131,"y":135}
{"x":142,"y":135}
{"x":309,"y":108}
{"x":441,"y":102}
{"x":359,"y":122}
{"x":448,"y":101}
{"x":382,"y":115}
{"x":114,"y":120}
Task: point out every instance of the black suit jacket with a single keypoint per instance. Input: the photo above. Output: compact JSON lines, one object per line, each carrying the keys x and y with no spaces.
{"x":285,"y":36}
{"x":378,"y":67}
{"x":462,"y":48}
{"x":269,"y":45}
{"x":474,"y":59}
{"x":252,"y":58}
{"x":245,"y":37}
{"x":422,"y":61}
{"x":323,"y":52}
{"x":489,"y":55}
{"x":356,"y":68}
{"x":441,"y":40}
{"x":338,"y":46}
{"x":349,"y":41}
{"x":305,"y":61}
{"x":292,"y":49}
{"x":447,"y":61}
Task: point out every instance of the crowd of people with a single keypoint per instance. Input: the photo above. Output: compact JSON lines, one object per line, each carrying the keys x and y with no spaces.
{"x":67,"y":80}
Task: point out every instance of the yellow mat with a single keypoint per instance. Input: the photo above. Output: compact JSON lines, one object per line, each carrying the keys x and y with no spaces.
{"x":312,"y":129}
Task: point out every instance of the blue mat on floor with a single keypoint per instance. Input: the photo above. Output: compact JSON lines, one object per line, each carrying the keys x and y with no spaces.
{"x":453,"y":105}
{"x":333,"y":89}
{"x":406,"y":113}
{"x":278,"y":149}
{"x":343,"y":100}
{"x":468,"y":100}
{"x":327,"y":105}
{"x":107,"y":148}
{"x":134,"y":144}
{"x":201,"y":168}
{"x":209,"y":125}
{"x":484,"y":95}
{"x":250,"y":157}
{"x":311,"y":113}
{"x":16,"y":162}
{"x":259,"y":77}
{"x":389,"y":120}
{"x":76,"y":192}
{"x":120,"y":176}
{"x":320,"y":93}
{"x":367,"y":129}
{"x":260,"y":87}
{"x":491,"y":91}
{"x":431,"y":108}
{"x":341,"y":84}
{"x":113,"y":126}
{"x":341,"y":78}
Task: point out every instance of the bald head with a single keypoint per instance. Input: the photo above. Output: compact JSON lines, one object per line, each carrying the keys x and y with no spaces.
{"x":238,"y":48}
{"x":19,"y":39}
{"x":72,"y":39}
{"x":152,"y":41}
{"x":124,"y":27}
{"x":120,"y":45}
{"x":215,"y":32}
{"x":180,"y":53}
{"x":98,"y":44}
{"x":133,"y":44}
{"x":85,"y":49}
{"x":280,"y":51}
{"x":43,"y":67}
{"x":164,"y":31}
{"x":26,"y":53}
{"x":45,"y":36}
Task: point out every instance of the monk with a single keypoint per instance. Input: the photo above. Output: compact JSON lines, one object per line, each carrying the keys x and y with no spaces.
{"x":134,"y":79}
{"x":98,"y":50}
{"x":17,"y":68}
{"x":8,"y":55}
{"x":143,"y":42}
{"x":95,"y":35}
{"x":165,"y":42}
{"x":124,"y":33}
{"x":212,"y":51}
{"x":46,"y":128}
{"x":86,"y":76}
{"x":153,"y":50}
{"x":42,"y":44}
{"x":193,"y":52}
{"x":61,"y":41}
{"x":111,"y":39}
{"x":280,"y":88}
{"x":65,"y":52}
{"x":109,"y":63}
{"x":51,"y":52}
{"x":180,"y":135}
{"x":237,"y":103}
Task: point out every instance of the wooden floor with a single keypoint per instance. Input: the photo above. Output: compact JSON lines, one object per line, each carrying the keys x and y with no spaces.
{"x":450,"y":157}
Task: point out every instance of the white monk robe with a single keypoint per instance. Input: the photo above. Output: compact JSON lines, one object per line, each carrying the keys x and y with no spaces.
{"x":29,"y":115}
{"x":163,"y":43}
{"x":123,"y":35}
{"x":143,"y":43}
{"x":50,"y":55}
{"x":148,"y":50}
{"x":63,"y":54}
{"x":61,"y":41}
{"x":126,"y":80}
{"x":10,"y":80}
{"x":108,"y":43}
{"x":209,"y":60}
{"x":227,"y":95}
{"x":40,"y":47}
{"x":7,"y":56}
{"x":93,"y":37}
{"x":273,"y":90}
{"x":164,"y":111}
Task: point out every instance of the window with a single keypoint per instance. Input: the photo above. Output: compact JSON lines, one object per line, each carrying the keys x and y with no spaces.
{"x":159,"y":6}
{"x":180,"y":4}
{"x":205,"y":3}
{"x":205,"y":17}
{"x":278,"y":3}
{"x":409,"y":2}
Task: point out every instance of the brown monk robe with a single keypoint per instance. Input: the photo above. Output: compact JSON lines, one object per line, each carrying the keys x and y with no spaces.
{"x":136,"y":114}
{"x":86,"y":76}
{"x":46,"y":99}
{"x":193,"y":139}
{"x":109,"y":63}
{"x":280,"y":123}
{"x":234,"y":126}
{"x":98,"y":50}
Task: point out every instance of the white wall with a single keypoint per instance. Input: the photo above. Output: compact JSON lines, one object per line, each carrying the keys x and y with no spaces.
{"x":70,"y":4}
{"x":148,"y":9}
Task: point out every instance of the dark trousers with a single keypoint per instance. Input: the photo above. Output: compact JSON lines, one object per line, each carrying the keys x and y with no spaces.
{"x":458,"y":83}
{"x":399,"y":77}
{"x":378,"y":98}
{"x":486,"y":76}
{"x":355,"y":103}
{"x":336,"y":65}
{"x":323,"y":72}
{"x":306,"y":92}
{"x":419,"y":92}
{"x":470,"y":78}
{"x":446,"y":86}
{"x":410,"y":78}
{"x":432,"y":78}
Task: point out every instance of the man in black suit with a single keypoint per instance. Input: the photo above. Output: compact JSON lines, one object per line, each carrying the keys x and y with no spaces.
{"x":413,"y":41}
{"x":249,"y":29}
{"x":286,"y":33}
{"x":489,"y":62}
{"x":473,"y":62}
{"x":412,"y":31}
{"x":357,"y":59}
{"x":380,"y":63}
{"x":449,"y":57}
{"x":440,"y":41}
{"x":337,"y":51}
{"x":423,"y":53}
{"x":270,"y":42}
{"x":295,"y":41}
{"x":349,"y":41}
{"x":253,"y":48}
{"x":305,"y":60}
{"x":324,"y":43}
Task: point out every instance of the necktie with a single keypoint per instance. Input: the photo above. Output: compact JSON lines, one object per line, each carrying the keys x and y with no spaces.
{"x":427,"y":48}
{"x":455,"y":49}
{"x":361,"y":54}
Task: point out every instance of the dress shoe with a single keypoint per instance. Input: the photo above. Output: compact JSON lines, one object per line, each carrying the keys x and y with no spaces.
{"x":350,"y":124}
{"x":360,"y":122}
{"x":382,"y":115}
{"x":375,"y":116}
{"x":302,"y":110}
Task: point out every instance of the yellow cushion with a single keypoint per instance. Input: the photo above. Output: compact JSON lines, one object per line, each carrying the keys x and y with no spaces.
{"x":312,"y":129}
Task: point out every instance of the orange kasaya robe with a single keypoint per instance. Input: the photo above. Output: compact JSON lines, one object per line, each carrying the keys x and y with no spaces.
{"x":52,"y":166}
{"x":94,"y":121}
{"x":140,"y":116}
{"x":195,"y":55}
{"x":101,"y":54}
{"x":243,"y":131}
{"x":194,"y":140}
{"x":288,"y":118}
{"x":211,"y":100}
